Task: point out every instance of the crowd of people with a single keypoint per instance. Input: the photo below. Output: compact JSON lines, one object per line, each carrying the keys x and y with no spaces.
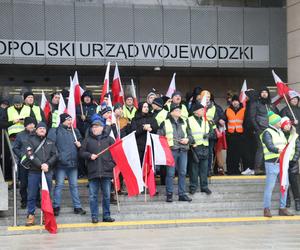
{"x":255,"y":135}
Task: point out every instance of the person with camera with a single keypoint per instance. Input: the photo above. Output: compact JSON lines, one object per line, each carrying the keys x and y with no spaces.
{"x":41,"y":155}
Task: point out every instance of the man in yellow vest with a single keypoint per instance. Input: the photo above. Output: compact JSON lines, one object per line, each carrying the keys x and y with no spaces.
{"x":273,"y":142}
{"x":158,"y":110}
{"x":201,"y":132}
{"x":38,"y":112}
{"x":54,"y":116}
{"x":234,"y":115}
{"x":178,"y":136}
{"x":128,"y":108}
{"x":177,"y":99}
{"x":16,"y":115}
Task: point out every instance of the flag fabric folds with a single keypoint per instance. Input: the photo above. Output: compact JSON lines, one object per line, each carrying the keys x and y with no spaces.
{"x":116,"y":88}
{"x":163,"y":154}
{"x":242,"y":97}
{"x":133,"y":93}
{"x":45,"y":106}
{"x":105,"y":88}
{"x":282,"y":88}
{"x":46,"y":206}
{"x":172,"y":87}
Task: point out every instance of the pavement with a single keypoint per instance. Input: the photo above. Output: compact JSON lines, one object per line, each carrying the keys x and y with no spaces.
{"x":241,"y":237}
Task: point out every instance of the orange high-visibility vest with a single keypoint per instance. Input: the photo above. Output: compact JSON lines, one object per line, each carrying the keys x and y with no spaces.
{"x":235,"y":120}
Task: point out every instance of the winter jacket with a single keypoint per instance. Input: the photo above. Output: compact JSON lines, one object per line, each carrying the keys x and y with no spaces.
{"x":88,"y":111}
{"x":247,"y":124}
{"x":259,"y":115}
{"x":178,"y":133}
{"x":65,"y":143}
{"x":294,"y":166}
{"x":20,"y":143}
{"x":104,"y":164}
{"x":46,"y":154}
{"x":286,"y":112}
{"x":141,"y":135}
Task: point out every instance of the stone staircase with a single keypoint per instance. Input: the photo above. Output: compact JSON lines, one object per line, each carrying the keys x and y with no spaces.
{"x":232,"y":197}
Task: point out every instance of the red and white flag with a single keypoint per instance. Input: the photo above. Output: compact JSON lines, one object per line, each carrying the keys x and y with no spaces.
{"x":282,"y":88}
{"x":148,"y":167}
{"x":45,"y":106}
{"x":204,"y":103}
{"x":284,"y":160}
{"x":78,"y":91}
{"x":126,"y":156}
{"x":243,"y":94}
{"x":116,"y":88}
{"x":61,"y":107}
{"x":162,"y":152}
{"x":133,"y":93}
{"x":172,"y":87}
{"x":46,"y":206}
{"x":71,"y":103}
{"x":105,"y":88}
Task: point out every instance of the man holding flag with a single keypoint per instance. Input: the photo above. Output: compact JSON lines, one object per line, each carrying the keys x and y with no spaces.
{"x":42,"y":155}
{"x":178,"y":136}
{"x":274,"y":142}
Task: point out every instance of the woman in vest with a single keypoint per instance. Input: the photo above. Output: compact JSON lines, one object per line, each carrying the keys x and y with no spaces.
{"x":273,"y":141}
{"x":201,"y":132}
{"x":176,"y":130}
{"x":294,"y":177}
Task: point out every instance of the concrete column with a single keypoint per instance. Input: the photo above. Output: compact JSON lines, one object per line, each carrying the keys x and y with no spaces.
{"x":293,"y":42}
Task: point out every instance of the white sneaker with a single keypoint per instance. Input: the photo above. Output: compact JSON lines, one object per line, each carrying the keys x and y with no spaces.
{"x":248,"y":171}
{"x":252,"y":172}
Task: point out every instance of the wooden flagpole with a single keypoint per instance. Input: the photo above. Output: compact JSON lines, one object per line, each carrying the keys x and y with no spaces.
{"x":289,"y":107}
{"x":117,"y":195}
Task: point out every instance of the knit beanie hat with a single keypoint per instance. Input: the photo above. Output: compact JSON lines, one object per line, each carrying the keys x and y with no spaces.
{"x":158,"y":101}
{"x":105,"y":110}
{"x":176,"y":93}
{"x":235,"y":98}
{"x":41,"y":125}
{"x":285,"y":121}
{"x":28,"y":93}
{"x":64,"y":116}
{"x":273,"y":118}
{"x":174,"y":106}
{"x":28,"y":120}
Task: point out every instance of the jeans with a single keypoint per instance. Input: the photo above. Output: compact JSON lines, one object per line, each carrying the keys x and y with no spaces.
{"x":272,"y":172}
{"x":180,"y":158}
{"x":60,"y":174}
{"x":105,"y":184}
{"x":198,"y":169}
{"x":34,"y":181}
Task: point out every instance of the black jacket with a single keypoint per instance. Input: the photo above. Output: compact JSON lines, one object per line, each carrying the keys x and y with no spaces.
{"x":104,"y":164}
{"x":21,"y":143}
{"x":46,"y":154}
{"x":141,"y":135}
{"x":88,"y":111}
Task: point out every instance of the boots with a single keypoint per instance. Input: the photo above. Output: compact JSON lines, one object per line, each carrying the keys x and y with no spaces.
{"x":284,"y":212}
{"x":297,"y":204}
{"x":267,"y":213}
{"x":30,"y":220}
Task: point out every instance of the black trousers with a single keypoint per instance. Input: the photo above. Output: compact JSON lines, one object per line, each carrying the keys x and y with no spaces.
{"x":234,"y":153}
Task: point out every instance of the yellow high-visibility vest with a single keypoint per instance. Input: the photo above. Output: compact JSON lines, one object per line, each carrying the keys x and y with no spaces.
{"x":161,"y":116}
{"x":198,"y":131}
{"x":127,"y":114}
{"x":37,"y":113}
{"x":13,"y":114}
{"x":169,"y":131}
{"x":55,"y":120}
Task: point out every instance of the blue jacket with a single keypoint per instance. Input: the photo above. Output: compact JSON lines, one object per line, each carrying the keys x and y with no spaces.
{"x":65,"y":143}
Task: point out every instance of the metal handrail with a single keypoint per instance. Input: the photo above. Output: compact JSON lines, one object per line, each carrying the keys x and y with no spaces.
{"x":3,"y":152}
{"x":14,"y":174}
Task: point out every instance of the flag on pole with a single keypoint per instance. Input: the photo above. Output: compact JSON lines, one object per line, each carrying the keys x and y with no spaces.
{"x":243,"y":94}
{"x":61,"y":107}
{"x":105,"y":88}
{"x":78,"y":91}
{"x":282,"y":88}
{"x":162,"y":152}
{"x":45,"y":106}
{"x":172,"y":87}
{"x":148,"y":167}
{"x":204,"y":103}
{"x":71,"y":103}
{"x":46,"y":206}
{"x":133,"y":93}
{"x":284,"y":160}
{"x":126,"y":156}
{"x":116,"y":88}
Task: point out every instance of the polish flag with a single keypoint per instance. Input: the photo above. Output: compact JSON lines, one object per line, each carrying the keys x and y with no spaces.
{"x":105,"y":88}
{"x":172,"y":87}
{"x":61,"y":107}
{"x":282,"y":88}
{"x":78,"y":91}
{"x":148,"y":167}
{"x":242,"y":94}
{"x":71,"y":103}
{"x":116,"y":87}
{"x":45,"y":106}
{"x":284,"y":160}
{"x":162,"y":151}
{"x":46,"y":206}
{"x":204,"y":104}
{"x":126,"y":156}
{"x":133,"y":93}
